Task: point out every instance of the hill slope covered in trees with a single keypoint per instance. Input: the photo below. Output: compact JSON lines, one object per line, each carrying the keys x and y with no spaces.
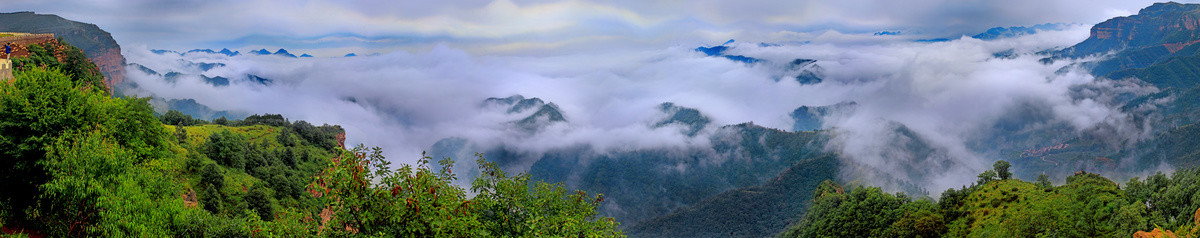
{"x":1088,"y":205}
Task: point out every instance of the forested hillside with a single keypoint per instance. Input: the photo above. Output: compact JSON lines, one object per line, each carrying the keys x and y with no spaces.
{"x":76,"y":162}
{"x":998,"y":205}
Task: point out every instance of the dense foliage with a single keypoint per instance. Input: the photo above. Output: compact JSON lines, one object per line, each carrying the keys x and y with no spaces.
{"x":66,"y":58}
{"x":421,"y":202}
{"x":756,"y":211}
{"x":1088,"y":205}
{"x":77,"y":162}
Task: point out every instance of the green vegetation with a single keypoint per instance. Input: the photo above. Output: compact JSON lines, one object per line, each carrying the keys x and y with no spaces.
{"x":64,"y":57}
{"x":77,"y":162}
{"x":756,"y":211}
{"x":1088,"y":205}
{"x":368,"y":197}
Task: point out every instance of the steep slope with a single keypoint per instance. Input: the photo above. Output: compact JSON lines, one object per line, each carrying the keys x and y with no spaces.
{"x":1156,"y":47}
{"x":95,"y":42}
{"x":1168,"y":26}
{"x":757,"y":211}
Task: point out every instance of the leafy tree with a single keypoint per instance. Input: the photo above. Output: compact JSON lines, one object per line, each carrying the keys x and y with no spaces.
{"x":227,"y":149}
{"x":368,"y":197}
{"x":419,"y":201}
{"x":510,"y":208}
{"x":863,"y":212}
{"x":918,"y":219}
{"x":260,"y":201}
{"x":181,"y":135}
{"x":80,"y":163}
{"x":274,"y":120}
{"x":212,"y":200}
{"x":177,"y":118}
{"x":986,"y":176}
{"x":211,"y":176}
{"x":1044,"y":182}
{"x":221,"y":121}
{"x":74,"y":63}
{"x":1001,"y":168}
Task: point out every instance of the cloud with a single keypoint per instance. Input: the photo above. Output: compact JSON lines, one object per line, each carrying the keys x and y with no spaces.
{"x":537,"y":27}
{"x":936,"y":97}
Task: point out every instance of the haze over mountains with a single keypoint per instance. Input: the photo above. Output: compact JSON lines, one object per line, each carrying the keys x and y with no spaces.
{"x":674,"y":135}
{"x":908,"y":116}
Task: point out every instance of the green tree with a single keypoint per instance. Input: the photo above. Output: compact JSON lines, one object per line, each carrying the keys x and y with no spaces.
{"x":212,"y":200}
{"x":211,"y":176}
{"x":259,"y":200}
{"x":1044,"y":182}
{"x":986,"y":176}
{"x":510,"y":208}
{"x":863,"y":212}
{"x":181,"y":135}
{"x":77,"y":162}
{"x":227,"y":149}
{"x":918,"y":219}
{"x":369,"y":197}
{"x":1001,"y":168}
{"x":35,"y":108}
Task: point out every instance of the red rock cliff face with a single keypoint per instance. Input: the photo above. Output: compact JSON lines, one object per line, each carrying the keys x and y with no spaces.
{"x":112,"y":65}
{"x":1115,"y":28}
{"x":341,"y":139}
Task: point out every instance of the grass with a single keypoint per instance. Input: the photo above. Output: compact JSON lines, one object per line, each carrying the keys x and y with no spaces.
{"x":256,"y":134}
{"x":239,"y":181}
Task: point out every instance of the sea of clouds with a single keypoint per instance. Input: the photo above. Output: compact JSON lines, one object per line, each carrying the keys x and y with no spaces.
{"x":949,"y":93}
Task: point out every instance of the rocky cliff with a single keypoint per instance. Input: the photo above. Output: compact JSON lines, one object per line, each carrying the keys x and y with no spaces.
{"x":96,"y":43}
{"x":1170,"y":26}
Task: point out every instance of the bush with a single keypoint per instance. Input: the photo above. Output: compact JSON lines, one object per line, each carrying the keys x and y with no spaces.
{"x":227,"y":149}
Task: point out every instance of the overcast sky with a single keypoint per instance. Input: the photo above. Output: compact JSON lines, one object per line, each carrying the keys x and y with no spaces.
{"x":539,"y":27}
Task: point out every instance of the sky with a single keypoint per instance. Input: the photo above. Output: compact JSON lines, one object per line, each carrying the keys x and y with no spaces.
{"x":538,"y":27}
{"x":427,"y":66}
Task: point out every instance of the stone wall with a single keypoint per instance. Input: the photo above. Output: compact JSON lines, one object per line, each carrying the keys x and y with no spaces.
{"x":26,"y":39}
{"x":21,"y":41}
{"x":5,"y":69}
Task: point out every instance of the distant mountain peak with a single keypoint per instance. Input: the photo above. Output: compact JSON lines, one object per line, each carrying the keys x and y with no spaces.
{"x":719,"y":51}
{"x":805,"y":71}
{"x":813,"y":118}
{"x":691,"y":118}
{"x":887,"y":33}
{"x":1017,"y":31}
{"x":226,"y":51}
{"x":547,"y":113}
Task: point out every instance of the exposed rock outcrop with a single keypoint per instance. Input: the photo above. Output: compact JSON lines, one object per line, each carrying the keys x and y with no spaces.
{"x":1169,"y":25}
{"x":341,"y":139}
{"x":1156,"y":233}
{"x":98,"y":44}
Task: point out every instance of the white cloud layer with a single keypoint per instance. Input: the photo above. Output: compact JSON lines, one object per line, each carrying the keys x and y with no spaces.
{"x":949,"y":93}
